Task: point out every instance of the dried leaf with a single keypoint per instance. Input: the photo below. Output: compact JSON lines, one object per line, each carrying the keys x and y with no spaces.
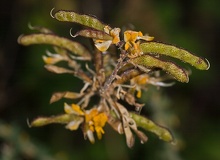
{"x":149,"y":61}
{"x":128,"y":134}
{"x":55,"y":40}
{"x":141,"y":136}
{"x":58,"y":70}
{"x":133,"y":126}
{"x":82,"y":19}
{"x":59,"y":95}
{"x":115,"y":124}
{"x":172,"y":51}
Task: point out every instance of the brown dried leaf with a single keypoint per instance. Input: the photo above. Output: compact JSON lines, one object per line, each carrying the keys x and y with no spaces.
{"x":58,"y":70}
{"x":69,"y":95}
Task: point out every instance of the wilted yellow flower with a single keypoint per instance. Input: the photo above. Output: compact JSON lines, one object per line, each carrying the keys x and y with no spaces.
{"x":73,"y":109}
{"x":53,"y":58}
{"x":138,"y":82}
{"x":131,"y":43}
{"x":103,"y":45}
{"x":94,"y":122}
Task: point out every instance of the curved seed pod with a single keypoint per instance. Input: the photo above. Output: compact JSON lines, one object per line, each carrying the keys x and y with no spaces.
{"x":153,"y":62}
{"x":150,"y":126}
{"x":95,"y":34}
{"x":51,"y":39}
{"x":82,"y":19}
{"x":172,"y":51}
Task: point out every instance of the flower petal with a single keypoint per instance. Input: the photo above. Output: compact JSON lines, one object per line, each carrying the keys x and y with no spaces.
{"x":103,"y":46}
{"x":74,"y":125}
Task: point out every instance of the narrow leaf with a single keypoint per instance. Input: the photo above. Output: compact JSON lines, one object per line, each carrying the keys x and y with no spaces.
{"x":69,"y":95}
{"x":82,"y":19}
{"x":55,"y":40}
{"x":153,"y":62}
{"x":172,"y":51}
{"x":58,"y":70}
{"x":150,"y":126}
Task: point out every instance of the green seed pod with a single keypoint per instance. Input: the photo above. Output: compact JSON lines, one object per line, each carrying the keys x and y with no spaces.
{"x":172,"y":51}
{"x":63,"y":119}
{"x":150,"y":126}
{"x":51,"y":39}
{"x":82,"y":19}
{"x":95,"y":34}
{"x":149,"y":61}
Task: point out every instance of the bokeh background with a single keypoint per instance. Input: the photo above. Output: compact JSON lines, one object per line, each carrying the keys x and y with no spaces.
{"x":191,"y":111}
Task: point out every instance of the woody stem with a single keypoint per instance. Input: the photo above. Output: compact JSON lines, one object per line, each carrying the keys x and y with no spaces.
{"x":112,"y":77}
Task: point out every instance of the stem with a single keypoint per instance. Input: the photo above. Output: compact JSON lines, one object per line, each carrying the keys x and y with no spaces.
{"x":112,"y":77}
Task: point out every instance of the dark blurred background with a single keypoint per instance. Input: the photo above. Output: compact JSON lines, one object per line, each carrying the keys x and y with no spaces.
{"x":191,"y":111}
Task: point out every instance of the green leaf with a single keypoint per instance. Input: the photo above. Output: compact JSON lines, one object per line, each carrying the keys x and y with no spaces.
{"x":55,"y":40}
{"x":150,"y":126}
{"x":82,"y":19}
{"x":172,"y":51}
{"x":171,"y":68}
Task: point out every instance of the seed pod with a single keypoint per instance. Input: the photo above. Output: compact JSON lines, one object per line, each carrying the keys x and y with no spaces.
{"x":94,"y":34}
{"x":150,"y":126}
{"x":52,"y":39}
{"x":82,"y":19}
{"x":171,"y":68}
{"x":63,"y":119}
{"x":172,"y":51}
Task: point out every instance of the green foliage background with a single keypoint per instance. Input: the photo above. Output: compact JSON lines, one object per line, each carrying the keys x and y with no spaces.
{"x":190,"y":110}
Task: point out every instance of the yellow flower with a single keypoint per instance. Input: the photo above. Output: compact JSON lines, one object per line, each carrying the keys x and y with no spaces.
{"x":103,"y":45}
{"x":139,"y":81}
{"x":73,"y":109}
{"x":132,"y":45}
{"x":94,"y":122}
{"x":53,"y":58}
{"x":99,"y":123}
